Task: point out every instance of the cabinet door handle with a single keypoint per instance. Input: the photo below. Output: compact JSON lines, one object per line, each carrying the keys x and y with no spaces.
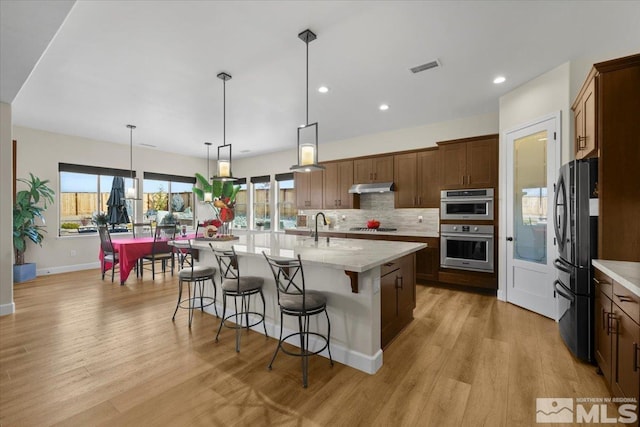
{"x":605,"y":315}
{"x":580,"y":140}
{"x":419,"y":200}
{"x":399,"y":280}
{"x":635,"y":357}
{"x":462,"y":183}
{"x":611,"y":329}
{"x":339,"y":202}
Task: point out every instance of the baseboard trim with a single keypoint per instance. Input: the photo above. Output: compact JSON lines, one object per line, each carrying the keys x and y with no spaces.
{"x":6,"y":309}
{"x":67,"y":268}
{"x":362,"y":362}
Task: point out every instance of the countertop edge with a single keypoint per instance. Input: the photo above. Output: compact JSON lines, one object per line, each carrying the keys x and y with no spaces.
{"x":399,"y":233}
{"x":626,"y":273}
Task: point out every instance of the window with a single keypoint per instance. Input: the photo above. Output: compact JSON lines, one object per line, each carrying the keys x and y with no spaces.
{"x":168,"y":194}
{"x":286,"y":203}
{"x":261,"y":202}
{"x":84,"y":191}
{"x":240,"y":210}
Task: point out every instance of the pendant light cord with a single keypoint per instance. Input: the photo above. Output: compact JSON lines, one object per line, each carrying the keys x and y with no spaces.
{"x":224,"y":112}
{"x":307,"y":43}
{"x":131,"y":128}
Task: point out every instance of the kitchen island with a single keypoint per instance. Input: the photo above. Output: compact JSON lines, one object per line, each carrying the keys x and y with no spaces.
{"x":349,"y":272}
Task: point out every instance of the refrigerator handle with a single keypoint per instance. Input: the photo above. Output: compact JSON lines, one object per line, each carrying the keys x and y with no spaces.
{"x":560,"y":266}
{"x":556,"y":220}
{"x":561,"y":292}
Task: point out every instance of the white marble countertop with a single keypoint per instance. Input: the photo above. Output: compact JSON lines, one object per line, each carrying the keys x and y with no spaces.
{"x":356,"y":255}
{"x":624,"y":272}
{"x":399,"y":232}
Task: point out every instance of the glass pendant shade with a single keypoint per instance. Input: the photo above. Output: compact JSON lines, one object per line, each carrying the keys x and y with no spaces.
{"x":133,"y":192}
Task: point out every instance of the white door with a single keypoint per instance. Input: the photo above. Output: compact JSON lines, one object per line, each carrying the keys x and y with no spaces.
{"x":533,"y":153}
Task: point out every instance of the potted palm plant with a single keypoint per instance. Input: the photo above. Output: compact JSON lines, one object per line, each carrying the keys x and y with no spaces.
{"x":27,"y":210}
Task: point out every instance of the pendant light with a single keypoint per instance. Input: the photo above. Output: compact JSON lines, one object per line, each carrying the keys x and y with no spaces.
{"x":133,"y":192}
{"x":223,"y":168}
{"x":308,"y":133}
{"x":208,"y":195}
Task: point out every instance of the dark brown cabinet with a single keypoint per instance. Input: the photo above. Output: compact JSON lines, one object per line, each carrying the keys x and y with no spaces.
{"x":617,"y":336}
{"x":373,"y":169}
{"x":417,"y":179}
{"x":397,"y":297}
{"x":584,"y":113}
{"x":309,"y":189}
{"x":338,"y":178}
{"x":469,"y":162}
{"x":607,"y":124}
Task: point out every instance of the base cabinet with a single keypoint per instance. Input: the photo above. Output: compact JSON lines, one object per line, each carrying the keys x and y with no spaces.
{"x":397,"y":297}
{"x":617,"y":336}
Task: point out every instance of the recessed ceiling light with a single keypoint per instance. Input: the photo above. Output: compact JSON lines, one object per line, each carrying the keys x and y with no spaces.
{"x":245,"y":151}
{"x":383,"y":107}
{"x":499,"y":79}
{"x":323,"y":89}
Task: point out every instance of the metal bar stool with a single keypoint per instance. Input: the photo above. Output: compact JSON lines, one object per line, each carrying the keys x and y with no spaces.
{"x":197,"y":275}
{"x":295,"y":300}
{"x":236,"y":286}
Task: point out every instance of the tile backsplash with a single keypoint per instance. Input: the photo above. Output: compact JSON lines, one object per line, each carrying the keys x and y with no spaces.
{"x":380,"y":206}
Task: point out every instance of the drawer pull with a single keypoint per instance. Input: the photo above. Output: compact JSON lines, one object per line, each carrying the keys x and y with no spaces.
{"x":625,"y":298}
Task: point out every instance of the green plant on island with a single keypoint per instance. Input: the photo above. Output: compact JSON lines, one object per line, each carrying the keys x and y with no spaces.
{"x":27,"y":210}
{"x":224,"y":196}
{"x":69,"y":226}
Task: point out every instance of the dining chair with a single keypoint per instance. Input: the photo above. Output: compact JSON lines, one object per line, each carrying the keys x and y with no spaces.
{"x":110,"y":255}
{"x":160,"y":251}
{"x":236,"y":286}
{"x":142,"y":229}
{"x":295,"y":300}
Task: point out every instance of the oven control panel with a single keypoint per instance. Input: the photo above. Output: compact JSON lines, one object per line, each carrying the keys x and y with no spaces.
{"x":460,"y":228}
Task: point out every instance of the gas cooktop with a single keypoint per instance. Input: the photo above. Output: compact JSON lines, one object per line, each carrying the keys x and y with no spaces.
{"x":372,"y":230}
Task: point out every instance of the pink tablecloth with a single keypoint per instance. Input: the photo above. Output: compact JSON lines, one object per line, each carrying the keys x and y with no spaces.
{"x":130,"y":250}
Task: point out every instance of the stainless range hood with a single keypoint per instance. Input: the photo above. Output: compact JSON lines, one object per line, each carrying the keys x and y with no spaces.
{"x":377,"y":187}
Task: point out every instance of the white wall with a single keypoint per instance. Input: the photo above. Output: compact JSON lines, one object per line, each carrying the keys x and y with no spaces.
{"x":40,"y":152}
{"x":6,"y":212}
{"x":397,"y":140}
{"x":544,"y":95}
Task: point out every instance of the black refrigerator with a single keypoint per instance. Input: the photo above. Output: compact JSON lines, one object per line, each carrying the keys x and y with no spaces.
{"x":576,"y":227}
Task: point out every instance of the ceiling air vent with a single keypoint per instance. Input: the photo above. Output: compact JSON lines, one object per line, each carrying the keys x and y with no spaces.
{"x":424,"y":67}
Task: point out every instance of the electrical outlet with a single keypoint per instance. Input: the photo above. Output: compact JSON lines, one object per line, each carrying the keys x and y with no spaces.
{"x":343,"y":217}
{"x":419,"y":218}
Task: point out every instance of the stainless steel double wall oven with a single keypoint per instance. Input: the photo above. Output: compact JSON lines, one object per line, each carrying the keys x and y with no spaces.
{"x":469,"y":243}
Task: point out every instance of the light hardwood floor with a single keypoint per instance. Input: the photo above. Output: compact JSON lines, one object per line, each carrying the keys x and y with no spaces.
{"x":81,"y":351}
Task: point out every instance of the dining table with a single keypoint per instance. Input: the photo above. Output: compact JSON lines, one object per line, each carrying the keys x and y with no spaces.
{"x":131,"y":249}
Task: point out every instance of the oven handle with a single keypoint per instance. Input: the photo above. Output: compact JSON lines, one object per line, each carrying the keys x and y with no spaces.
{"x":560,"y":290}
{"x":463,"y":199}
{"x":468,"y":236}
{"x":560,"y":266}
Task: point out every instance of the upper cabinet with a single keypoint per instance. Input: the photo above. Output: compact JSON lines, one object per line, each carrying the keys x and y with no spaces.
{"x":417,"y":179}
{"x":612,"y":115}
{"x":584,"y":110}
{"x":469,"y":162}
{"x":338,"y":178}
{"x":308,"y":189}
{"x":373,"y":169}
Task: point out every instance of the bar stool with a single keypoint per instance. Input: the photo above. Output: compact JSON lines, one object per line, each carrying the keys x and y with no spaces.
{"x":295,"y":300}
{"x":197,"y":275}
{"x":237,"y":286}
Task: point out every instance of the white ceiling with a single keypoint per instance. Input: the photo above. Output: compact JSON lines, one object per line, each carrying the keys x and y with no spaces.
{"x":154,"y":64}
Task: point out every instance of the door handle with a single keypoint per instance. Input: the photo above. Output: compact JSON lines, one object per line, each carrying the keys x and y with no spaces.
{"x":509,"y":239}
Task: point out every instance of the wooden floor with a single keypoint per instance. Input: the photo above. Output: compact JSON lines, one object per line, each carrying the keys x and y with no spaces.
{"x":80,"y":351}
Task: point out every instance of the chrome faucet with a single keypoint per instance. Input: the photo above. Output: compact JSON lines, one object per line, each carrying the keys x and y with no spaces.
{"x":324,"y":220}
